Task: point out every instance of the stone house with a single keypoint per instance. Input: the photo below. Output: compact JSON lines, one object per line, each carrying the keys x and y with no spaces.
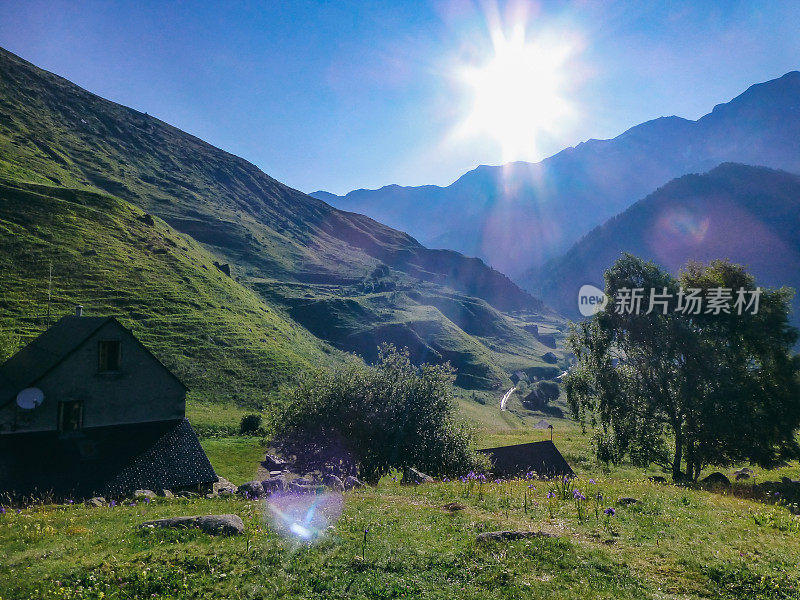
{"x":86,"y":409}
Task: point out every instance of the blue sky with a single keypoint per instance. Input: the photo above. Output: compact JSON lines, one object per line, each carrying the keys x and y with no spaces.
{"x":341,"y":95}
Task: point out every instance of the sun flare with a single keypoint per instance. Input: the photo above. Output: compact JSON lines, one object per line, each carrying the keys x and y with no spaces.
{"x":518,"y":94}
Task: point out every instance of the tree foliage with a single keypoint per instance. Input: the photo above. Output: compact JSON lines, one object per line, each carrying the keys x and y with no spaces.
{"x":687,"y":390}
{"x":541,"y":394}
{"x":375,"y":418}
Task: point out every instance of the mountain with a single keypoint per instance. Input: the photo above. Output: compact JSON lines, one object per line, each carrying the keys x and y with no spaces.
{"x":750,"y":215}
{"x":519,"y":215}
{"x":304,"y":257}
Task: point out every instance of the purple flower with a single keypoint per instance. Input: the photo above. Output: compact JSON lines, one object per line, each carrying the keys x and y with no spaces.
{"x":593,"y":482}
{"x":609,"y":511}
{"x":2,"y":510}
{"x":463,"y":479}
{"x":445,"y":480}
{"x":112,"y":503}
{"x":531,"y":487}
{"x":777,"y":493}
{"x":599,"y":496}
{"x":577,"y":495}
{"x":551,"y":495}
{"x":19,"y":510}
{"x":481,"y":477}
{"x":147,"y":500}
{"x":498,"y":481}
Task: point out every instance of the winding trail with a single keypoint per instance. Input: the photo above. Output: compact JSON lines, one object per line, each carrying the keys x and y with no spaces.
{"x":506,"y":397}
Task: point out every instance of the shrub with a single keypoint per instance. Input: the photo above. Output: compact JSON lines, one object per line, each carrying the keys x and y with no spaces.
{"x":250,"y":424}
{"x":542,"y":394}
{"x":370,"y":419}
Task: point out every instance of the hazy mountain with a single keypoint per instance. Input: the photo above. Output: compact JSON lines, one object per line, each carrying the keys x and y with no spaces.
{"x":519,"y":215}
{"x":295,"y":250}
{"x":750,"y":215}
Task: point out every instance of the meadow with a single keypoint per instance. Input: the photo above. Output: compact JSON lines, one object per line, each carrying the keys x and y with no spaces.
{"x":395,"y":541}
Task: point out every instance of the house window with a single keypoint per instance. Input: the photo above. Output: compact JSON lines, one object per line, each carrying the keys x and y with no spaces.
{"x":70,"y":416}
{"x":110,"y":354}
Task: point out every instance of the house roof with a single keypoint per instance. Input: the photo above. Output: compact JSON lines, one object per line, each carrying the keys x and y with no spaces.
{"x":47,"y":351}
{"x":111,"y":461}
{"x":541,"y":457}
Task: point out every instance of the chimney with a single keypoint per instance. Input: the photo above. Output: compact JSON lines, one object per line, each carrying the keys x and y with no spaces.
{"x":78,"y":310}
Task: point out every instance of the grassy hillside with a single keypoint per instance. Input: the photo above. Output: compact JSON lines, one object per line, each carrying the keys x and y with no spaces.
{"x":218,"y":336}
{"x":55,"y":133}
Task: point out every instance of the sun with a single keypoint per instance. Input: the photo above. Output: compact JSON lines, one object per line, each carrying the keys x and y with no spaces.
{"x":517,"y":96}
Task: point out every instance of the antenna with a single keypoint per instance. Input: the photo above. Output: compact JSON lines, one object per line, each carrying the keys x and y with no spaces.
{"x":49,"y":294}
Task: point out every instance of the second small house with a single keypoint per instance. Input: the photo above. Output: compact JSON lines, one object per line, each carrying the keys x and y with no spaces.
{"x":86,"y":409}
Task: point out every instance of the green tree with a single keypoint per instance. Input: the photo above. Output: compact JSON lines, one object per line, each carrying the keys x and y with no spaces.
{"x":686,"y":390}
{"x":375,"y":418}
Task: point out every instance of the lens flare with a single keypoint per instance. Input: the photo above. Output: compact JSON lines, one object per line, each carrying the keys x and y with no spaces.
{"x":303,"y":518}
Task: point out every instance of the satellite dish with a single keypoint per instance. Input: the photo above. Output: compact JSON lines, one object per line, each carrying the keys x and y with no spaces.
{"x":30,"y":398}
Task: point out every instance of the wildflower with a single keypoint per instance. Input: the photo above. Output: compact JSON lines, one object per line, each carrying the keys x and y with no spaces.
{"x":610,"y":511}
{"x":445,"y":480}
{"x":531,"y":487}
{"x":19,"y":510}
{"x":577,"y":495}
{"x":599,"y":496}
{"x":593,"y":482}
{"x":498,"y":481}
{"x":112,"y":503}
{"x":2,"y":510}
{"x":551,"y":495}
{"x":481,"y":478}
{"x":147,"y":500}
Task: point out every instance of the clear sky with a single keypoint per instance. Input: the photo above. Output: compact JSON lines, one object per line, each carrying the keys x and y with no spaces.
{"x":346,"y":94}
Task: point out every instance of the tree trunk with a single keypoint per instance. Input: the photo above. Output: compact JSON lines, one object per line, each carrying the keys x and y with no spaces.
{"x":676,"y":461}
{"x":690,"y":461}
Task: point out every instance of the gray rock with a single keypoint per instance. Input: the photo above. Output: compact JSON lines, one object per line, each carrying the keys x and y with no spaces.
{"x":742,"y":476}
{"x":167,"y":494}
{"x":251,"y":489}
{"x":142,"y":494}
{"x":273,"y":463}
{"x":223,"y":487}
{"x":626,"y":501}
{"x":211,"y":524}
{"x":414,"y":477}
{"x":333,"y":482}
{"x":351,"y":483}
{"x":503,"y":536}
{"x":97,"y":501}
{"x":273,"y":485}
{"x":304,"y":488}
{"x":717,"y":479}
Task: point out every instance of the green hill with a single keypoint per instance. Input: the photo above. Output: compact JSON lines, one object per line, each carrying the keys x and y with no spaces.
{"x":220,"y":337}
{"x":298,"y":252}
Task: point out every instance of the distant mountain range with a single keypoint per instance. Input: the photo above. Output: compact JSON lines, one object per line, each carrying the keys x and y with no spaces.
{"x":750,"y":215}
{"x":344,"y":277}
{"x":520,"y":215}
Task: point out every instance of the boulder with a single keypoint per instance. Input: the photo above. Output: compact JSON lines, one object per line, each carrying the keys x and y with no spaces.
{"x":503,"y":536}
{"x":412,"y":476}
{"x":251,"y":489}
{"x":223,"y":487}
{"x":626,"y":501}
{"x":334,"y":482}
{"x":142,"y":494}
{"x":740,"y":476}
{"x":273,"y":485}
{"x":97,"y":501}
{"x":351,"y":483}
{"x":273,"y":463}
{"x":211,"y":524}
{"x":167,"y":494}
{"x":717,"y":479}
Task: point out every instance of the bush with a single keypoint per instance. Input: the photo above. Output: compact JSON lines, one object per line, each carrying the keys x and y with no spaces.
{"x":250,"y":424}
{"x":542,"y":394}
{"x":370,"y":419}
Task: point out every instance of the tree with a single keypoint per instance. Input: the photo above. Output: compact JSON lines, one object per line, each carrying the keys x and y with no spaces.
{"x":542,"y":394}
{"x":371,"y":419}
{"x":687,"y":390}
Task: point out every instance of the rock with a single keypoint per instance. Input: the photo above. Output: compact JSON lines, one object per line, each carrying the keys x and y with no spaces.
{"x":211,"y":495}
{"x":142,"y":494}
{"x":626,"y":501}
{"x":741,"y":476}
{"x":273,"y":463}
{"x":211,"y":524}
{"x":658,"y":479}
{"x":97,"y":501}
{"x":414,"y":477}
{"x":334,"y":482}
{"x":251,"y":490}
{"x":351,"y":483}
{"x":167,"y":494}
{"x":223,"y":487}
{"x":717,"y":479}
{"x":498,"y":536}
{"x":304,"y":488}
{"x":273,"y":485}
{"x":452,"y":507}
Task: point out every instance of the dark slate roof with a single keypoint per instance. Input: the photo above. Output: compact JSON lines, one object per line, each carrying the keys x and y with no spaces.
{"x":104,"y":461}
{"x":541,"y":457}
{"x":44,"y":353}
